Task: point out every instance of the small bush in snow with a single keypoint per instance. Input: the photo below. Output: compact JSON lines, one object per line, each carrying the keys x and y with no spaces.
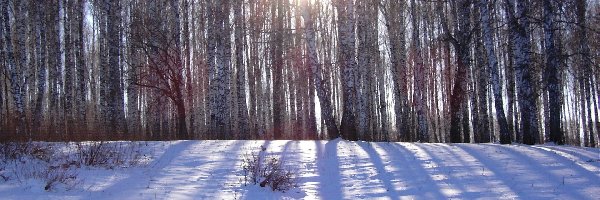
{"x":56,"y":164}
{"x":2,"y":173}
{"x":54,"y":175}
{"x":24,"y":161}
{"x":267,"y":171}
{"x":251,"y":169}
{"x":96,"y":154}
{"x":18,"y":150}
{"x":107,"y":154}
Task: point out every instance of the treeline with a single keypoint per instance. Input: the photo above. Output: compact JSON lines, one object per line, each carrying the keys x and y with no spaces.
{"x":505,"y":71}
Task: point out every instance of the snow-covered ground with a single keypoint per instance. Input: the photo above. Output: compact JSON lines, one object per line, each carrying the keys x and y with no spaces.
{"x":340,"y":170}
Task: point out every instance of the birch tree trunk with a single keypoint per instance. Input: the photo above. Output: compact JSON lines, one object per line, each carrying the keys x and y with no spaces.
{"x":15,"y":72}
{"x":219,"y":68}
{"x":242,"y":112}
{"x":493,"y":69}
{"x":317,"y":72}
{"x":420,"y":82}
{"x":586,"y":62}
{"x":524,"y":76}
{"x":511,"y":90}
{"x":347,"y":60}
{"x":482,"y":72}
{"x":279,"y":107}
{"x":69,"y":66}
{"x":552,"y":76}
{"x":396,"y":31}
{"x":458,"y":103}
{"x":188,"y":66}
{"x":365,"y":29}
{"x":41,"y":64}
{"x":81,"y":68}
{"x":115,"y":92}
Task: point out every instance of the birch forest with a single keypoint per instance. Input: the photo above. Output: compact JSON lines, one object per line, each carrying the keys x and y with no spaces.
{"x":444,"y":71}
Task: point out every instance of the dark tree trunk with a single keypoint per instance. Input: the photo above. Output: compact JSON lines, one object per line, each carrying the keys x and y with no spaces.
{"x":242,"y":111}
{"x":458,"y":101}
{"x":69,"y":67}
{"x":420,"y":98}
{"x":279,"y":105}
{"x":552,"y":76}
{"x":182,"y":133}
{"x":396,"y":31}
{"x":41,"y":60}
{"x":81,"y":68}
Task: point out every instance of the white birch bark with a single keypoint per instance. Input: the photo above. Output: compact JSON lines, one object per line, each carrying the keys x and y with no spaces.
{"x":493,"y":68}
{"x":15,"y":73}
{"x":524,"y":76}
{"x":347,"y":60}
{"x":316,"y":73}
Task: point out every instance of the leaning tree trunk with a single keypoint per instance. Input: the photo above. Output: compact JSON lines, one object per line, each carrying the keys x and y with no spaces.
{"x":315,"y":67}
{"x":493,"y":68}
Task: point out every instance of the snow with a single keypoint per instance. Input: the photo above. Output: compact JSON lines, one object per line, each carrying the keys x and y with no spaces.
{"x":340,"y":169}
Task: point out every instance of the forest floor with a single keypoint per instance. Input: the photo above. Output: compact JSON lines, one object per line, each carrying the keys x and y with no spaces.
{"x":334,"y":169}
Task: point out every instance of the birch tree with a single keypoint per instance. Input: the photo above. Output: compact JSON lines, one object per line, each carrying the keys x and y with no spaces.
{"x":15,"y":71}
{"x":41,"y":64}
{"x":419,"y":78}
{"x":494,"y":71}
{"x":396,"y":32}
{"x":277,"y":64}
{"x":218,"y":31}
{"x":242,"y":112}
{"x":459,"y":131}
{"x":552,"y":75}
{"x":316,"y":71}
{"x":523,"y":71}
{"x":347,"y":60}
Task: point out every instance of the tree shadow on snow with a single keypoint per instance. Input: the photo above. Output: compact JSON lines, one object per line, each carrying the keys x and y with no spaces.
{"x":133,"y":181}
{"x":464,"y":172}
{"x":523,"y":172}
{"x":328,"y":166}
{"x":208,"y":170}
{"x":382,"y":174}
{"x":411,"y":178}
